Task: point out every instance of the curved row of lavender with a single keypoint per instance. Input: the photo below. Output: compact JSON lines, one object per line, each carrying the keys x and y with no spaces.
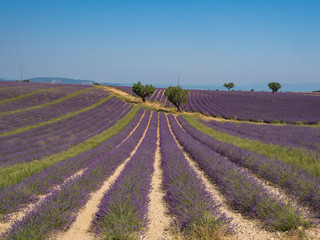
{"x":295,"y":181}
{"x":69,"y":132}
{"x":40,"y":98}
{"x":15,"y":197}
{"x":9,"y":84}
{"x":59,"y":210}
{"x":255,"y":106}
{"x":21,"y":119}
{"x":38,"y":134}
{"x":243,"y":192}
{"x":288,"y":135}
{"x":123,"y":209}
{"x":252,"y":106}
{"x":15,"y":91}
{"x":188,"y":200}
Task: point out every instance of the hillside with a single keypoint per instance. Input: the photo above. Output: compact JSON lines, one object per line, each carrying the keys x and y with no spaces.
{"x":87,"y":162}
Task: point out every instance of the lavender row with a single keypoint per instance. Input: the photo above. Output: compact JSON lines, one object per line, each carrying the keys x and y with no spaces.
{"x":8,"y":93}
{"x":295,"y":181}
{"x":255,"y":106}
{"x":243,"y":192}
{"x":288,"y":135}
{"x":39,"y":98}
{"x":8,"y":84}
{"x":188,"y":200}
{"x":38,"y":134}
{"x":56,"y":127}
{"x":158,"y":95}
{"x":58,"y":211}
{"x":13,"y":198}
{"x":252,"y":106}
{"x":28,"y":117}
{"x":83,"y":127}
{"x":123,"y":210}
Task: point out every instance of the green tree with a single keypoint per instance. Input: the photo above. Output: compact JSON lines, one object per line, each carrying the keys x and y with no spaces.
{"x":177,"y":96}
{"x":143,"y":91}
{"x":229,"y":85}
{"x":274,"y":86}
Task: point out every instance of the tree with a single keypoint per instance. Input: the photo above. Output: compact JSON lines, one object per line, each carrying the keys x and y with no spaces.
{"x":143,"y":91}
{"x":177,"y":96}
{"x":229,"y":85}
{"x":274,"y":86}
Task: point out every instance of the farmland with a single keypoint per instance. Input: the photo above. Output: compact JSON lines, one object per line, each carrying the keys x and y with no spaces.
{"x":250,"y":106}
{"x":84,"y":162}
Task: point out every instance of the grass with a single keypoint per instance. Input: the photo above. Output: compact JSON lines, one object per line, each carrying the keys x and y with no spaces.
{"x":30,"y":127}
{"x":45,"y":104}
{"x":25,"y":95}
{"x":297,"y":157}
{"x":13,"y":174}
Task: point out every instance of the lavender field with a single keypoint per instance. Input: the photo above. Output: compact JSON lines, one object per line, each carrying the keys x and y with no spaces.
{"x":76,"y":162}
{"x":251,"y":106}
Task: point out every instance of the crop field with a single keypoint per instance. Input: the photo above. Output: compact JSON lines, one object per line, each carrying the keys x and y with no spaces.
{"x":78,"y":162}
{"x":251,"y":106}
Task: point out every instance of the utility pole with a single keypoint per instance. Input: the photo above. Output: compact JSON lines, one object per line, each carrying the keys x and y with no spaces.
{"x":21,"y":69}
{"x":178,"y":80}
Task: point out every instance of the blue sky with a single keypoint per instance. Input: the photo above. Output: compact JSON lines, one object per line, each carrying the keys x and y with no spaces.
{"x":205,"y":42}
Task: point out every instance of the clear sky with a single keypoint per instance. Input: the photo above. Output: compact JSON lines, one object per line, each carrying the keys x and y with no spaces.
{"x":205,"y":42}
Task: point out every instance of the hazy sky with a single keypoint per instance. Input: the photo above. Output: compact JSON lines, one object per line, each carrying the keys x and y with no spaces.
{"x":205,"y":42}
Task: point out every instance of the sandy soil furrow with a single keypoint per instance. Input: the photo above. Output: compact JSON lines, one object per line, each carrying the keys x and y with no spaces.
{"x":21,"y":214}
{"x":158,"y":214}
{"x":79,"y":229}
{"x":289,"y":199}
{"x":245,"y":229}
{"x":132,"y":130}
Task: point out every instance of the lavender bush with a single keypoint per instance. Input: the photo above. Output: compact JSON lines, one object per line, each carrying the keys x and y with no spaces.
{"x":288,"y":135}
{"x":13,"y":198}
{"x":123,"y":210}
{"x":295,"y":181}
{"x":21,"y":89}
{"x":58,"y":211}
{"x":43,"y":97}
{"x":254,"y":106}
{"x":194,"y":207}
{"x":243,"y":192}
{"x":58,"y":136}
{"x":25,"y":118}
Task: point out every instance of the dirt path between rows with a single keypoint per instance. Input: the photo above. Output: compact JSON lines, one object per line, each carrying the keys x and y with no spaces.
{"x":244,"y":229}
{"x":279,"y":193}
{"x":80,"y":228}
{"x":17,"y":216}
{"x":158,"y":214}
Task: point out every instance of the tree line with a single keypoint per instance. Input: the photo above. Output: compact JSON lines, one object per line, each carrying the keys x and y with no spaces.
{"x":178,"y":96}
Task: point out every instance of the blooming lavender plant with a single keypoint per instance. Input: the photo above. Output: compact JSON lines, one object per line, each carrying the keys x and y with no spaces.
{"x":123,"y":209}
{"x":295,"y":181}
{"x":287,"y":135}
{"x":22,"y":89}
{"x":40,"y":98}
{"x":20,"y":119}
{"x":13,"y":198}
{"x":58,"y":136}
{"x":194,"y":207}
{"x":242,"y":191}
{"x":58,"y":211}
{"x":254,"y":106}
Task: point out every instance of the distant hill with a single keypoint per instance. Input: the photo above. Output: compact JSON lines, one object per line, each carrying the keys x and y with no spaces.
{"x":66,"y":81}
{"x":61,"y":80}
{"x":291,"y":87}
